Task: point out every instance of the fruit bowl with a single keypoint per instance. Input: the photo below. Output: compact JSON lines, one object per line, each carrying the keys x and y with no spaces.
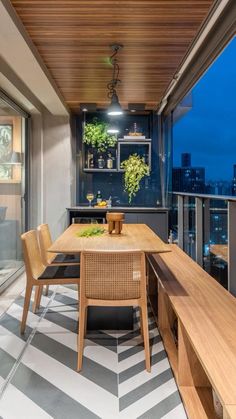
{"x":102,"y":204}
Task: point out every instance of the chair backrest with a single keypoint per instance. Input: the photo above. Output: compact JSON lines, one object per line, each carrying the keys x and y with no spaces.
{"x":31,"y":252}
{"x":45,"y":241}
{"x":113,"y":275}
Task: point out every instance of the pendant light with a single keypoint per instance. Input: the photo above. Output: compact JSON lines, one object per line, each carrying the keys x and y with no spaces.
{"x":115,"y":108}
{"x":113,"y":129}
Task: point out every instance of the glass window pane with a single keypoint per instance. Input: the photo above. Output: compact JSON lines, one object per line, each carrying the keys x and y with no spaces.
{"x":215,"y":251}
{"x":204,"y":135}
{"x":11,"y":191}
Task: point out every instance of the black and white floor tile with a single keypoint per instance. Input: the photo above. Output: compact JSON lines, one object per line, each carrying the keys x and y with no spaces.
{"x":38,"y":378}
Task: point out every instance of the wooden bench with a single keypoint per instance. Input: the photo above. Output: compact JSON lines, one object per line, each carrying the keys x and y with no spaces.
{"x":197,"y":321}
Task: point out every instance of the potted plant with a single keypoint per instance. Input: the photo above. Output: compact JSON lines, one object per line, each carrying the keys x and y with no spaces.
{"x":135,"y":169}
{"x":96,"y":135}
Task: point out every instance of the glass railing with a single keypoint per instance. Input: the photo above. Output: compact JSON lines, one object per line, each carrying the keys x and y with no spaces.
{"x":204,"y":226}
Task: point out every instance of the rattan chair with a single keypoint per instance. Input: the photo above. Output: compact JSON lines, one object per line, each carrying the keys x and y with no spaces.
{"x":51,"y":259}
{"x":37,"y":274}
{"x":113,"y":279}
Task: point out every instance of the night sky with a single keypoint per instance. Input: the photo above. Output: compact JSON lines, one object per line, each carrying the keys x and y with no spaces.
{"x":208,"y":130}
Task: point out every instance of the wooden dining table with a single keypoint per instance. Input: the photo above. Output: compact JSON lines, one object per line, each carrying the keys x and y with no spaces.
{"x":133,"y":237}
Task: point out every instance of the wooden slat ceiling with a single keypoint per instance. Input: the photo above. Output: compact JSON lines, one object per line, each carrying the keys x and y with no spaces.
{"x":73,"y":38}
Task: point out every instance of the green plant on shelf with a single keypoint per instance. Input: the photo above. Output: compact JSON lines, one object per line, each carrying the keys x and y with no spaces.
{"x":96,"y":135}
{"x":135,"y":169}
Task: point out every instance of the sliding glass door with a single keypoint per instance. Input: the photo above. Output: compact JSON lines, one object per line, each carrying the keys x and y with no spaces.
{"x":13,"y":129}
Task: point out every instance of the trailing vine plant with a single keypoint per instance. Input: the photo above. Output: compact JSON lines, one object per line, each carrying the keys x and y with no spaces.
{"x":96,"y":135}
{"x":135,"y":169}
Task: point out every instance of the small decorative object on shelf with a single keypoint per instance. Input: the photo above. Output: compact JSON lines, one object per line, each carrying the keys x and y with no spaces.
{"x":90,"y":160}
{"x":109,"y":161}
{"x":135,"y":133}
{"x":115,"y":221}
{"x":101,"y":162}
{"x":109,"y":202}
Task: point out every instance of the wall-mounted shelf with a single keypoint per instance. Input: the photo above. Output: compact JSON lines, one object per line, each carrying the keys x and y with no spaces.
{"x":87,"y":170}
{"x":124,"y":149}
{"x":134,"y":140}
{"x":129,"y":147}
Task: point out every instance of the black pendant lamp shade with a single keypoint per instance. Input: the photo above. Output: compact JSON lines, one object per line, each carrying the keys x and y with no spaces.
{"x":114,"y":108}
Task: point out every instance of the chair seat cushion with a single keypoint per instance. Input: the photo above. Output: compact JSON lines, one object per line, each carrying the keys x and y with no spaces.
{"x":62,"y":258}
{"x":59,"y":272}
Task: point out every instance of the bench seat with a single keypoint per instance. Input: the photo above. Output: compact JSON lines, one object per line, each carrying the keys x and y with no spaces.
{"x":205,"y":355}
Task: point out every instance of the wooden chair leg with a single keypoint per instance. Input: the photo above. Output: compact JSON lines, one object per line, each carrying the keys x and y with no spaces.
{"x":28,"y":292}
{"x":141,"y":321}
{"x":85,"y":322}
{"x":78,"y":296}
{"x":144,"y":313}
{"x":37,"y":298}
{"x":46,"y":290}
{"x":81,"y":336}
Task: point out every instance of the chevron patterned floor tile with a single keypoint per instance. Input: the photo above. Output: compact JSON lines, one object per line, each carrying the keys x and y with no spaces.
{"x":38,"y":377}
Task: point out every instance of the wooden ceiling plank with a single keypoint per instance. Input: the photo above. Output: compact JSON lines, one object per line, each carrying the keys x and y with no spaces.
{"x":73,"y":38}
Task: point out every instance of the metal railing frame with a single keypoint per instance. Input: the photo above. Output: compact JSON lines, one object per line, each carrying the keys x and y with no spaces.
{"x":202,"y":211}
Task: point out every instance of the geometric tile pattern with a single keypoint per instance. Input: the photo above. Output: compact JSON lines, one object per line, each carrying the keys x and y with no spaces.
{"x":37,"y":371}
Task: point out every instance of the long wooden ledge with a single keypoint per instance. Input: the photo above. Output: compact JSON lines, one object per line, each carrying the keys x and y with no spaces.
{"x":197,"y":320}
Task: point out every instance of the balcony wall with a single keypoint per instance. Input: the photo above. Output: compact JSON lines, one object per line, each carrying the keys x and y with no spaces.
{"x":52,"y":177}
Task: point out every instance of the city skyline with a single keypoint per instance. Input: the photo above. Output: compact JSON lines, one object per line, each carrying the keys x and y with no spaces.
{"x":207,"y":130}
{"x":195,"y":165}
{"x":187,"y":177}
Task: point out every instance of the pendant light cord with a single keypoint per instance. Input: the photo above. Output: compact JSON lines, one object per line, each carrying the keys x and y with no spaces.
{"x":115,"y":75}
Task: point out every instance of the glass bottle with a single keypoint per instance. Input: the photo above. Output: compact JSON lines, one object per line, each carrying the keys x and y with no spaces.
{"x":91,"y":161}
{"x":109,"y":202}
{"x":99,"y":197}
{"x":101,"y":162}
{"x":109,"y":161}
{"x":88,"y":160}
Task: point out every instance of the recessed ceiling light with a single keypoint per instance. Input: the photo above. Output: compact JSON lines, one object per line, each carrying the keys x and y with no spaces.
{"x":88,"y":107}
{"x":134,"y":107}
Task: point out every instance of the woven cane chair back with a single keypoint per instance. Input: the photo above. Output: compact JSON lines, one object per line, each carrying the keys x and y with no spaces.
{"x":112,"y":276}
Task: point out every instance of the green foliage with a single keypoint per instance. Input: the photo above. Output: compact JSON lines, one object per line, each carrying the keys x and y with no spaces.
{"x":91,"y":232}
{"x":135,"y":169}
{"x":96,"y":135}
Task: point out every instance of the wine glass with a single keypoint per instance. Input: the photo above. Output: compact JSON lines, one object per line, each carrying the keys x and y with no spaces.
{"x":90,"y":197}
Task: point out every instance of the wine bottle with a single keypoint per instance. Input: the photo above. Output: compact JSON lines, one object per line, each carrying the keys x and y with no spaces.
{"x":109,"y":162}
{"x":99,"y":197}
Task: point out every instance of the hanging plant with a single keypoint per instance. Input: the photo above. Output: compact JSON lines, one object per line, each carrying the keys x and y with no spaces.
{"x":135,"y":169}
{"x":96,"y":135}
